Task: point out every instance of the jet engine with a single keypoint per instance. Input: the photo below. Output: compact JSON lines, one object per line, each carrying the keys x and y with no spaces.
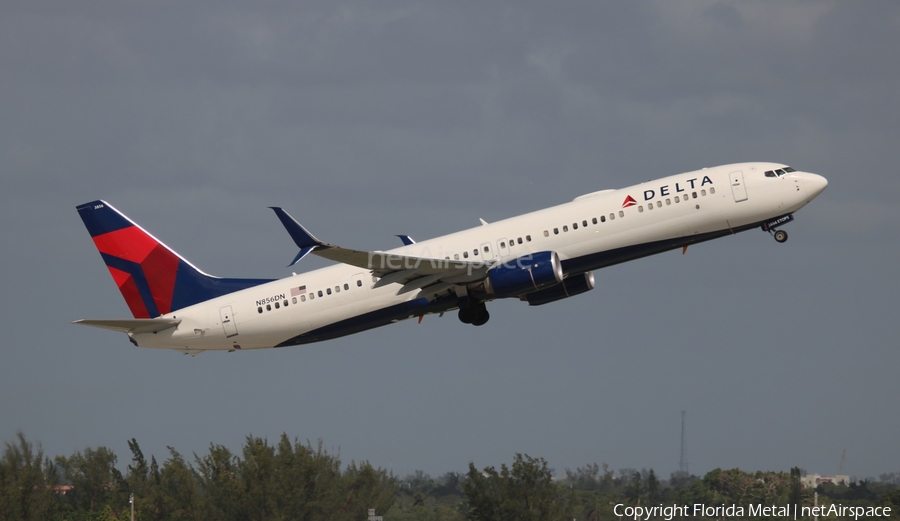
{"x":570,"y":287}
{"x":524,"y":274}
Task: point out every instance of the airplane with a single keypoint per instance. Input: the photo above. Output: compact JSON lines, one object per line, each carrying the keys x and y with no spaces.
{"x":539,"y":257}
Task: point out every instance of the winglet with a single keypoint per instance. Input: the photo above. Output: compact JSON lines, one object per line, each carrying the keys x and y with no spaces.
{"x":406,"y":239}
{"x":302,"y":253}
{"x":302,"y":238}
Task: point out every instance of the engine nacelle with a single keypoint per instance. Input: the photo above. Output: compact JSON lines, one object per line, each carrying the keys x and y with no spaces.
{"x":568,"y":288}
{"x":525,"y":274}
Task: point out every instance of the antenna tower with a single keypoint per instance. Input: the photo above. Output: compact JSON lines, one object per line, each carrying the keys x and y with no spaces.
{"x":682,"y":463}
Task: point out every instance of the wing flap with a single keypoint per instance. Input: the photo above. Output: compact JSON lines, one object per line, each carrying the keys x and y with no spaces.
{"x":132,"y":325}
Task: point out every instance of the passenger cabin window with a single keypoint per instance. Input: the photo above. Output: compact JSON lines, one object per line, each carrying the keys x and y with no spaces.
{"x":302,"y":298}
{"x":677,"y":200}
{"x":486,"y":249}
{"x":612,"y":217}
{"x":293,"y":300}
{"x":565,"y":228}
{"x":277,"y":306}
{"x":259,"y":309}
{"x":455,"y":256}
{"x":694,"y":195}
{"x":703,"y":192}
{"x":465,"y":255}
{"x":268,"y":307}
{"x":603,"y":218}
{"x":337,"y":289}
{"x":574,"y":226}
{"x":594,"y":220}
{"x":475,"y":251}
{"x":621,"y":213}
{"x":650,"y":206}
{"x":555,"y":231}
{"x":668,"y":202}
{"x":320,"y":293}
{"x":359,"y":283}
{"x":640,"y":209}
{"x":527,"y":239}
{"x":346,"y":286}
{"x":546,"y":233}
{"x":712,"y":189}
{"x":503,"y":245}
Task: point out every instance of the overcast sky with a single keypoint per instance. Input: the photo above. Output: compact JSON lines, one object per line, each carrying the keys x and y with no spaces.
{"x":366,"y":120}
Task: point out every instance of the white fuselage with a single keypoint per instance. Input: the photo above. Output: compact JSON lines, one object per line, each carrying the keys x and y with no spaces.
{"x":591,"y":232}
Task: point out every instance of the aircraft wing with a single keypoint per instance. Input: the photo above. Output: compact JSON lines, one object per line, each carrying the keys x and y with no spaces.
{"x":430,"y":275}
{"x":132,"y":325}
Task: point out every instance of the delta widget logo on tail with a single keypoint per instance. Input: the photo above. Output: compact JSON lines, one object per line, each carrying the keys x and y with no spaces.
{"x":629,"y":201}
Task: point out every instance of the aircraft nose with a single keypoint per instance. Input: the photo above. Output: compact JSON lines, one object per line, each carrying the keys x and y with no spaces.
{"x":816,"y":183}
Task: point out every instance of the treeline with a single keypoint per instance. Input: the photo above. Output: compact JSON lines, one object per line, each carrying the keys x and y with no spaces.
{"x":290,"y":480}
{"x":287,"y":480}
{"x":527,"y":490}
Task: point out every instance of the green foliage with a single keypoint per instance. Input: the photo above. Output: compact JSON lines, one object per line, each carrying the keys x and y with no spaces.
{"x":523,"y":492}
{"x":421,"y":498}
{"x":26,"y":482}
{"x":95,"y":480}
{"x":297,"y":481}
{"x":891,"y":499}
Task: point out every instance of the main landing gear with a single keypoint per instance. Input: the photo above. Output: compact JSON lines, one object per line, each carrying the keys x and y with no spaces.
{"x":475,"y":314}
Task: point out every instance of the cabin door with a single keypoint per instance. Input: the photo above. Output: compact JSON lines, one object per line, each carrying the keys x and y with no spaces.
{"x":738,"y":190}
{"x":228,"y":324}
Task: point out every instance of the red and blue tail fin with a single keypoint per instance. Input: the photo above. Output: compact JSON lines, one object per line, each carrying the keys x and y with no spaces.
{"x":153,"y":279}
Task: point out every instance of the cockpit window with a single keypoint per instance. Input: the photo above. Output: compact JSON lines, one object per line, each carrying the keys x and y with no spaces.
{"x":780,"y":172}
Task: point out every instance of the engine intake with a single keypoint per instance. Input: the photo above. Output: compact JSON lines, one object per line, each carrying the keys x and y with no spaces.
{"x":524,"y":274}
{"x":568,"y":288}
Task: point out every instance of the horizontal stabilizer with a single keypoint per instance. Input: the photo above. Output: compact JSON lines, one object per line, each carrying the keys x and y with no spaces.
{"x":133,"y":325}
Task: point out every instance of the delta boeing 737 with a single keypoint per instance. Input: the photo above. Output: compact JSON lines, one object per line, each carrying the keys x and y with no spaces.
{"x":539,"y":257}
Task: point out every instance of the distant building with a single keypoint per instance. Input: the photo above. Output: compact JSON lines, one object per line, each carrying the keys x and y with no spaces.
{"x":814,"y":480}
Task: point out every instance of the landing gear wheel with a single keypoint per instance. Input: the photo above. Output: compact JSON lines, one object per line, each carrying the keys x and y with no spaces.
{"x":780,"y":235}
{"x":482,"y":318}
{"x":475,"y":314}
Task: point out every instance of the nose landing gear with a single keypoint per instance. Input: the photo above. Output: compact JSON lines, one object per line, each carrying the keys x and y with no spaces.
{"x":770,"y":226}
